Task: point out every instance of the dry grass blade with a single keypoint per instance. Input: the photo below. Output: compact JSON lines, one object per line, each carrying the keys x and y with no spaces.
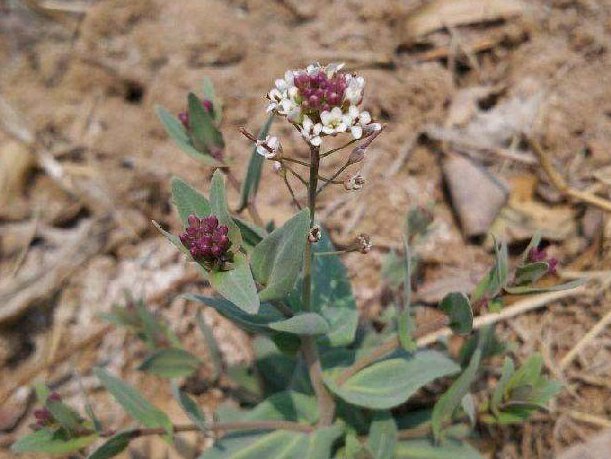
{"x":586,"y":340}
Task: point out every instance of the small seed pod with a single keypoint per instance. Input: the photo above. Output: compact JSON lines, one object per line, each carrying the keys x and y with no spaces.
{"x":314,"y":235}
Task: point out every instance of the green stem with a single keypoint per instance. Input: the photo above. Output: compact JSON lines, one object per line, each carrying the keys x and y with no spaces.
{"x":326,"y":403}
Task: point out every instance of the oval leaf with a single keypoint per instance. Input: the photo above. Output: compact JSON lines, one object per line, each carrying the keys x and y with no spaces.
{"x":188,"y":201}
{"x":237,"y":285}
{"x":218,"y":207}
{"x":426,"y":449}
{"x":391,"y":382}
{"x":113,"y":446}
{"x":205,"y":136}
{"x":307,"y":323}
{"x":170,"y":363}
{"x":383,"y":436}
{"x":457,"y":307}
{"x":190,"y":407}
{"x":277,"y":260}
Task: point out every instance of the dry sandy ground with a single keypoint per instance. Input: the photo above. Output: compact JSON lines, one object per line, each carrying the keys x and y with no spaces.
{"x":85,"y":166}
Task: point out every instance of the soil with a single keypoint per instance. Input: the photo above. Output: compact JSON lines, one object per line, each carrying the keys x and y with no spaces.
{"x":85,"y":166}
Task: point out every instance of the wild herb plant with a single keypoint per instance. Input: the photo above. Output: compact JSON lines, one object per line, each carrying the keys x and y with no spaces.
{"x":323,"y":384}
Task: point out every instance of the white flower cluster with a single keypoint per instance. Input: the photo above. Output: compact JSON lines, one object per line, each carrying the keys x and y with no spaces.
{"x":321,"y":101}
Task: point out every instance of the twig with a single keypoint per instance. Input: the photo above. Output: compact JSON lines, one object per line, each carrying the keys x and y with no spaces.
{"x":516,"y":309}
{"x":583,"y":342}
{"x":560,"y":183}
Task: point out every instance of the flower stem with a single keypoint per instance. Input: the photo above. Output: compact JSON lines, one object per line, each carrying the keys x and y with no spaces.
{"x":326,"y":403}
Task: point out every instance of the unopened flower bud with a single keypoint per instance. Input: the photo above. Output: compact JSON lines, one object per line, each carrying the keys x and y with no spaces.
{"x":277,"y":167}
{"x":207,"y":241}
{"x":357,"y":155}
{"x":314,"y":235}
{"x":55,"y":397}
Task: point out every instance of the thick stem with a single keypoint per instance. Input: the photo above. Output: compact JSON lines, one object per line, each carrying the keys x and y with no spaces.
{"x":326,"y":403}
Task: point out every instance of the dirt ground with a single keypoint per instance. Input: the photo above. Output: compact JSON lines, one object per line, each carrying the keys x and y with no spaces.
{"x":85,"y":166}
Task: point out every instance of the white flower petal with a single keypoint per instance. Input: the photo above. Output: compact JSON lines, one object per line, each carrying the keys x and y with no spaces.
{"x":364,"y":118}
{"x":317,"y":128}
{"x":316,"y":141}
{"x":328,"y":130}
{"x":357,"y":131}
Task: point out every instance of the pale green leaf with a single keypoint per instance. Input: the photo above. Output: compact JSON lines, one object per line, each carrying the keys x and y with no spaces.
{"x":219,"y":208}
{"x":457,"y":307}
{"x":113,"y":446}
{"x":278,"y":259}
{"x":170,"y":363}
{"x":383,"y":435}
{"x":306,"y":323}
{"x":392,"y":381}
{"x":188,"y":201}
{"x":237,"y":285}
{"x":51,"y":442}
{"x":177,"y":132}
{"x":189,"y":406}
{"x":426,"y":449}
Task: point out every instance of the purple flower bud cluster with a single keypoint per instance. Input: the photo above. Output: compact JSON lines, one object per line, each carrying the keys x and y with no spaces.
{"x":43,"y":416}
{"x":319,"y":92}
{"x":207,"y":241}
{"x":536,"y":255}
{"x":183,"y":117}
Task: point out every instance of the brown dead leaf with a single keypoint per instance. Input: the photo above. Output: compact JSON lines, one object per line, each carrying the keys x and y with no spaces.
{"x":439,"y":14}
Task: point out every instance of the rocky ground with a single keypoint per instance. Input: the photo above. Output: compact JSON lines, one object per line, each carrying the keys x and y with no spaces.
{"x":85,"y":166}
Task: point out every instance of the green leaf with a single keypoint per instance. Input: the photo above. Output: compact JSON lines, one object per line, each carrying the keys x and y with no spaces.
{"x":170,"y":363}
{"x":496,"y":280}
{"x":321,"y":441}
{"x":188,"y":201}
{"x":212,"y":346}
{"x":526,"y":290}
{"x":179,"y":135}
{"x":391,"y":382}
{"x":253,"y":323}
{"x":533,"y":244}
{"x":331,"y":295}
{"x":383,"y":435}
{"x":251,"y":234}
{"x":175,"y":240}
{"x":286,"y":406}
{"x":133,"y":403}
{"x":530,"y":273}
{"x":426,"y":449}
{"x":114,"y":446}
{"x":64,"y":415}
{"x":528,"y":374}
{"x":51,"y":442}
{"x":237,"y":285}
{"x":277,"y":260}
{"x":448,"y":402}
{"x":457,"y":307}
{"x":205,"y":136}
{"x":189,"y":406}
{"x":354,"y":449}
{"x":280,"y":444}
{"x":306,"y":323}
{"x":250,"y":185}
{"x":275,"y":368}
{"x":219,"y":207}
{"x":210,"y":94}
{"x":499,"y":390}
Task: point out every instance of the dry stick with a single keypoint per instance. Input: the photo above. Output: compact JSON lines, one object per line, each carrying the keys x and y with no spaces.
{"x":589,"y":418}
{"x":521,"y":307}
{"x":560,"y":183}
{"x":583,"y":342}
